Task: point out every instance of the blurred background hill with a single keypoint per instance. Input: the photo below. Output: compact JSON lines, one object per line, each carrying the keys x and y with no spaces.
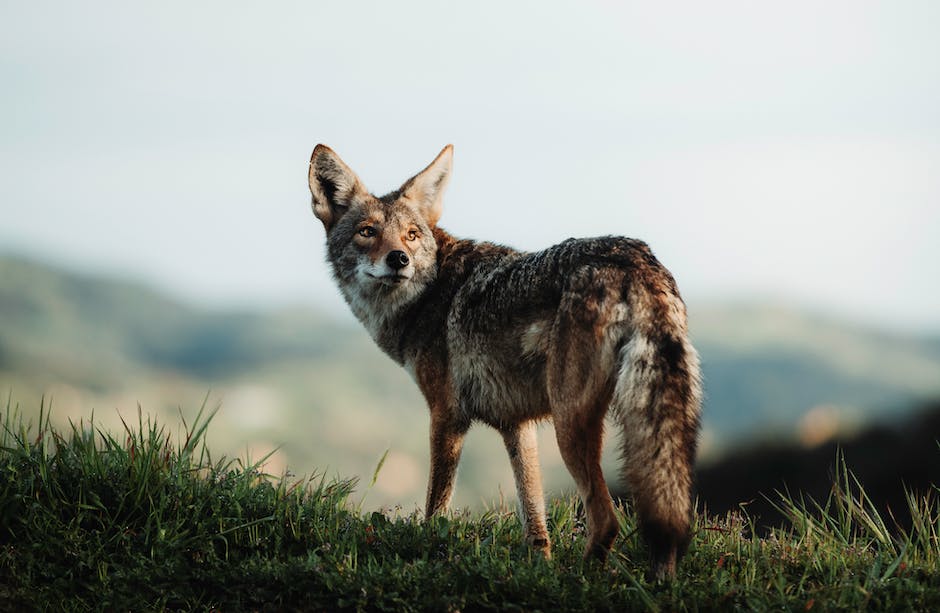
{"x":889,"y":460}
{"x":318,"y":390}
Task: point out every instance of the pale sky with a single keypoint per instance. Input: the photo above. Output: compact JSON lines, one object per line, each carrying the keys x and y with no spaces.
{"x":788,"y":151}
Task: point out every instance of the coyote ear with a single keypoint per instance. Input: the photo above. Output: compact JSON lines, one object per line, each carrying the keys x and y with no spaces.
{"x":332,"y":184}
{"x":426,"y":189}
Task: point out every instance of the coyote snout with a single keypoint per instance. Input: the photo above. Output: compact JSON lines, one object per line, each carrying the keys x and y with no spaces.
{"x":391,"y":268}
{"x":578,"y":331}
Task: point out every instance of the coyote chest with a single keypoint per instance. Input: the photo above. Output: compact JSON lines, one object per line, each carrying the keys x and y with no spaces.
{"x":578,"y":331}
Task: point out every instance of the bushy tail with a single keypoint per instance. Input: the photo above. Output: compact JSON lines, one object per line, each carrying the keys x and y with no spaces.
{"x":657,"y":400}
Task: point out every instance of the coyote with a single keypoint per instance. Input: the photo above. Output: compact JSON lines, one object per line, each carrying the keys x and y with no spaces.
{"x":582,"y":329}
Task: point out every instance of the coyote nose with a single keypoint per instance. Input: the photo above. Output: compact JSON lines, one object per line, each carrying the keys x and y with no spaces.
{"x":397,"y":260}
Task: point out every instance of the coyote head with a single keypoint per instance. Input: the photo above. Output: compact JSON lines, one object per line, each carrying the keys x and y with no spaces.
{"x":382,"y":249}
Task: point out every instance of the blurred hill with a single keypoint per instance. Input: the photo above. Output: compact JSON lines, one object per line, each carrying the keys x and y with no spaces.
{"x":321,"y":393}
{"x":767,"y":367}
{"x":887,"y":459}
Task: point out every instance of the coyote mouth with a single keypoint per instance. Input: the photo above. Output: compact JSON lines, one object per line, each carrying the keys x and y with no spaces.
{"x":394,"y":279}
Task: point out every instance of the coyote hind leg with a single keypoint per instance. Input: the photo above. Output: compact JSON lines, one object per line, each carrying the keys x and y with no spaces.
{"x":579,"y":383}
{"x":579,"y":437}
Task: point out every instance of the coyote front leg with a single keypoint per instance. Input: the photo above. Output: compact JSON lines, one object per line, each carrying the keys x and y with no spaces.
{"x":522,"y":446}
{"x":446,"y":444}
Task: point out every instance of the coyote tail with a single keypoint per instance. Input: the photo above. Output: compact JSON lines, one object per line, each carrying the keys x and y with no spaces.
{"x":657,"y":401}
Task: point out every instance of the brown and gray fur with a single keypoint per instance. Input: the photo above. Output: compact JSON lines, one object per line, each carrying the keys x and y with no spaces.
{"x":582,"y":330}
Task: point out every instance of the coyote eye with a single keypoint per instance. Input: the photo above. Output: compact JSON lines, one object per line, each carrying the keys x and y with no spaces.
{"x":367,"y":232}
{"x":412,"y":235}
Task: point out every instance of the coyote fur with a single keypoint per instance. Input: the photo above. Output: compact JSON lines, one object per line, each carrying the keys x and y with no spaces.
{"x":585,"y":329}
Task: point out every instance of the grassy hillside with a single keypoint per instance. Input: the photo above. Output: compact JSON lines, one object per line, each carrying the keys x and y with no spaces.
{"x":138,"y":520}
{"x":326,"y":398}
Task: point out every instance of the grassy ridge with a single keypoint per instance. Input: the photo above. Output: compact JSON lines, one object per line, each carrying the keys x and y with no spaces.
{"x":90,"y":520}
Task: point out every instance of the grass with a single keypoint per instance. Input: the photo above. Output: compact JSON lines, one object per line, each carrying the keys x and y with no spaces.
{"x":90,"y":520}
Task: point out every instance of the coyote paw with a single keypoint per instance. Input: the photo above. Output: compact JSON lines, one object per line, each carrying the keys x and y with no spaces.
{"x":540,"y":543}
